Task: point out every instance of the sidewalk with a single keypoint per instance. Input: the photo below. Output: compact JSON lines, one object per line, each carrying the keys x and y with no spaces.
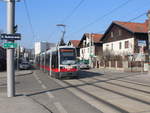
{"x":18,"y":104}
{"x":17,"y":73}
{"x":103,"y":70}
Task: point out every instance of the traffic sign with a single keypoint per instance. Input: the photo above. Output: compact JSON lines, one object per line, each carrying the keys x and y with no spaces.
{"x":16,"y":36}
{"x":10,"y":45}
{"x":142,"y":43}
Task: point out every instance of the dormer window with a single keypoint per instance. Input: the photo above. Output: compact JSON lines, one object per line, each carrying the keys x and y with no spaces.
{"x":112,"y":34}
{"x":119,"y":32}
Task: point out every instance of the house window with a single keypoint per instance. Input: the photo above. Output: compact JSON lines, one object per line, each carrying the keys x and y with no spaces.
{"x":107,"y":46}
{"x":112,"y":34}
{"x":126,"y":44}
{"x":119,"y":32}
{"x":120,"y":45}
{"x":111,"y":46}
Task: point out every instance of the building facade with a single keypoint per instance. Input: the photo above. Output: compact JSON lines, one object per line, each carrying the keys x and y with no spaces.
{"x":125,"y":41}
{"x":42,"y":46}
{"x":90,"y":48}
{"x":75,"y":43}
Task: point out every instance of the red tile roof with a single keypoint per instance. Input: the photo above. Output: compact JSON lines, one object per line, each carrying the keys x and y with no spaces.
{"x":97,"y":37}
{"x":134,"y":27}
{"x":75,"y":42}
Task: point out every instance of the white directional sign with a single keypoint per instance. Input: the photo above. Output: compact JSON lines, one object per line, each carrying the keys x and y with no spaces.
{"x":15,"y":36}
{"x":141,"y":43}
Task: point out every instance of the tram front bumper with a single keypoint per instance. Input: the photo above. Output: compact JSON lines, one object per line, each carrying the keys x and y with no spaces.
{"x":68,"y":74}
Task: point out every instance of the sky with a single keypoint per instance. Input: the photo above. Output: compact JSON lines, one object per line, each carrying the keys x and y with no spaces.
{"x":91,"y":16}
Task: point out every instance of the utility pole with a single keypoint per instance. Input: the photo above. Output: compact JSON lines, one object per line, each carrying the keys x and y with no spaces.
{"x":10,"y":51}
{"x":10,"y":36}
{"x":91,"y":49}
{"x":148,"y":15}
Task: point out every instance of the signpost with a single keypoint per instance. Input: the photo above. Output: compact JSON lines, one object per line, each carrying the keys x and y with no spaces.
{"x":10,"y":36}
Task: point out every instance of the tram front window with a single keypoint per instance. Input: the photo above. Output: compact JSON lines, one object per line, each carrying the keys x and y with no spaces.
{"x":67,"y":56}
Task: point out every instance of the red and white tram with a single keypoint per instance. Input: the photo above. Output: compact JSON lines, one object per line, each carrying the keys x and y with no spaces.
{"x":59,"y":62}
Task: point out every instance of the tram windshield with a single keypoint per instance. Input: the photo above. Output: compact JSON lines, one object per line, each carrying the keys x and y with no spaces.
{"x":67,"y":56}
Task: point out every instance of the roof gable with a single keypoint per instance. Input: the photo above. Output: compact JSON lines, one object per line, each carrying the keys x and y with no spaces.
{"x":75,"y":43}
{"x":129,"y":26}
{"x":133,"y":27}
{"x":96,"y":37}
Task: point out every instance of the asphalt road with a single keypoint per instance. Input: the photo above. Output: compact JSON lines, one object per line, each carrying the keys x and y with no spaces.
{"x":54,"y":97}
{"x":95,"y":91}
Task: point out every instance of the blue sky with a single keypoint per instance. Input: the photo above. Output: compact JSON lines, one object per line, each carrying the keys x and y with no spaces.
{"x":46,"y":14}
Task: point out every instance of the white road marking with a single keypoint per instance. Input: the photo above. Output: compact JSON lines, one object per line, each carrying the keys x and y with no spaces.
{"x":40,"y":81}
{"x":43,"y":86}
{"x":50,"y":95}
{"x":60,"y":108}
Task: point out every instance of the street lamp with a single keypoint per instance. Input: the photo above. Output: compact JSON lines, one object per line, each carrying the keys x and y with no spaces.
{"x":148,"y":15}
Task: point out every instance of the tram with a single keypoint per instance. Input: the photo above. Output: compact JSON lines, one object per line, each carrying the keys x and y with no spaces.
{"x":59,"y":62}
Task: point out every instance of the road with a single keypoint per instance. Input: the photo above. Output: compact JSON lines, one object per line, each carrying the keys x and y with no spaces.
{"x":54,"y":97}
{"x":92,"y":92}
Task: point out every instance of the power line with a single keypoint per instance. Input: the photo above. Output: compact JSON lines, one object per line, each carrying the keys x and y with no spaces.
{"x":137,"y":17}
{"x":73,"y":11}
{"x":130,"y":20}
{"x":29,"y":18}
{"x":101,"y":17}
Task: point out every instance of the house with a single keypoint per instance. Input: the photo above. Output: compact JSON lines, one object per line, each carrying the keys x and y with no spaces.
{"x":90,"y":48}
{"x":125,"y":39}
{"x":75,"y":43}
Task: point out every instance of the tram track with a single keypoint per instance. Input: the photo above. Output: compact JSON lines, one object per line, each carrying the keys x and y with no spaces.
{"x":98,"y":99}
{"x":135,"y":98}
{"x":123,"y":79}
{"x":117,"y":84}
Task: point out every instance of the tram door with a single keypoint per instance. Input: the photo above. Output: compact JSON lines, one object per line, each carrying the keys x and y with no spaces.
{"x":54,"y":61}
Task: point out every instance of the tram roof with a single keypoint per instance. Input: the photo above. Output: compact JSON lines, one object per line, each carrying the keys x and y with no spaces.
{"x":55,"y":48}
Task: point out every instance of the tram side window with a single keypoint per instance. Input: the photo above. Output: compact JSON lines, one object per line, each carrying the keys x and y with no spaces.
{"x":42,"y":60}
{"x":47,"y":60}
{"x":54,"y":60}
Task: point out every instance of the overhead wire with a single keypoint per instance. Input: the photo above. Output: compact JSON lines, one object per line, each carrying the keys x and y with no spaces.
{"x":29,"y":19}
{"x":137,"y":17}
{"x":130,"y":20}
{"x":101,"y":17}
{"x":73,"y":11}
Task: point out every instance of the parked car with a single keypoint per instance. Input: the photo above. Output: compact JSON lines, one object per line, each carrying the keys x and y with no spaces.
{"x":83,"y":65}
{"x":24,"y":65}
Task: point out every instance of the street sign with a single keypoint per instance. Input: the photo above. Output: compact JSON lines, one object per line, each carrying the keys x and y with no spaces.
{"x":142,"y":43}
{"x":10,"y":45}
{"x":16,"y":36}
